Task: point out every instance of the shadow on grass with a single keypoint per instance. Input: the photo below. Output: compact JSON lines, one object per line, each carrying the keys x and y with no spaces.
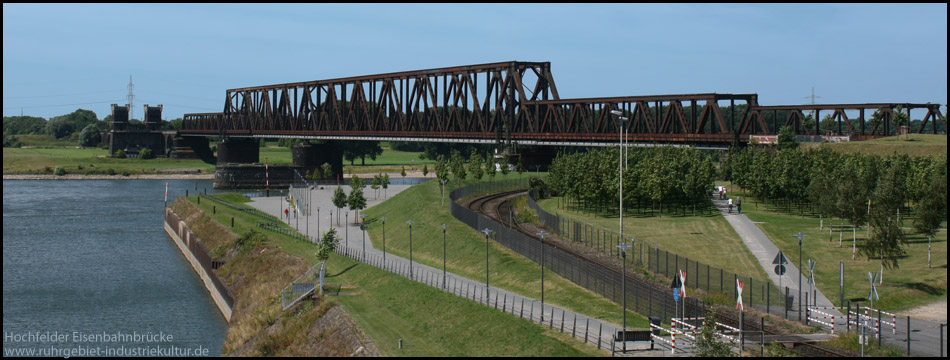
{"x":344,"y":271}
{"x":930,"y":290}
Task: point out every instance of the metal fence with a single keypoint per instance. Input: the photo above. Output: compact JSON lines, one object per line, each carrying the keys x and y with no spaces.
{"x":664,"y":263}
{"x":302,"y":286}
{"x":643,"y":297}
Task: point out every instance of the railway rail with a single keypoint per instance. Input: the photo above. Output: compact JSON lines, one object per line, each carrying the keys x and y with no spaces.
{"x":497,"y":207}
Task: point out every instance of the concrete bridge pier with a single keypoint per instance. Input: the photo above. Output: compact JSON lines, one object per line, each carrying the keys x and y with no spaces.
{"x":237,"y":150}
{"x":310,"y":156}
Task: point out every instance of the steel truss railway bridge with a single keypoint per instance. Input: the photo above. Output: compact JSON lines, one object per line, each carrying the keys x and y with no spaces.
{"x":517,"y":102}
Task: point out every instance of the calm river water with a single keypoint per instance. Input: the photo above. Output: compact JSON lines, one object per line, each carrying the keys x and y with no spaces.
{"x":88,"y":267}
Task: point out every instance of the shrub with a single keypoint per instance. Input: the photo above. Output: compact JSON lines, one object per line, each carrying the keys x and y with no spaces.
{"x":146,"y":153}
{"x":119,"y":154}
{"x":48,"y":170}
{"x":125,"y":173}
{"x":89,"y":136}
{"x":59,"y":171}
{"x":110,"y":171}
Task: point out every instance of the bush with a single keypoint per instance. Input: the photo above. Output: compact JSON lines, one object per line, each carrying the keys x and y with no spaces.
{"x":59,"y":171}
{"x":89,"y":137}
{"x":119,"y":154}
{"x":11,"y":141}
{"x":110,"y":171}
{"x":146,"y":153}
{"x":125,"y":173}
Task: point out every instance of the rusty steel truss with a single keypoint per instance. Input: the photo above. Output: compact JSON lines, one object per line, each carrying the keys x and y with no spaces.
{"x":506,"y":101}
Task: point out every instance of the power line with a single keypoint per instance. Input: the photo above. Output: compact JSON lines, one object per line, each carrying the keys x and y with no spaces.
{"x":44,"y":106}
{"x":73,"y":94}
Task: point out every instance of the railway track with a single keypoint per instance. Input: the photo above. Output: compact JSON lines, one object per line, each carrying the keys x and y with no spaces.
{"x":496,"y":206}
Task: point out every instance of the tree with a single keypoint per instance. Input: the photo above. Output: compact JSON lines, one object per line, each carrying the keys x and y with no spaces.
{"x":385,"y":183}
{"x":457,"y":163}
{"x":327,"y":243}
{"x":361,"y":149}
{"x":23,"y":125}
{"x":403,"y":172}
{"x":339,"y":200}
{"x":377,"y":183}
{"x":89,"y":137}
{"x":490,"y":167}
{"x":786,"y":138}
{"x":932,"y":209}
{"x":441,"y":168}
{"x":425,"y":170}
{"x":327,"y":171}
{"x":707,"y":343}
{"x":356,"y":200}
{"x":475,"y":166}
{"x":887,"y":239}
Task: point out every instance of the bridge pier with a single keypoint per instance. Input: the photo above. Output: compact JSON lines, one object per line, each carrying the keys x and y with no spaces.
{"x":191,"y":147}
{"x":242,"y":151}
{"x":311,"y":156}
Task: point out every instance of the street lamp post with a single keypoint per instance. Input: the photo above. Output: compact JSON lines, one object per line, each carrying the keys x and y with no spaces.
{"x":309,"y":204}
{"x":318,"y":220}
{"x":443,"y":256}
{"x":541,"y":234}
{"x":620,"y":159}
{"x":487,"y":231}
{"x":623,"y":290}
{"x":363,"y":228}
{"x":384,"y":240}
{"x":346,"y":227}
{"x":799,"y":236}
{"x":410,"y":248}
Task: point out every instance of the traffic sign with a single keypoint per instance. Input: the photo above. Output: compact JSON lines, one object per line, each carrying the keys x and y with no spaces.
{"x":683,"y":282}
{"x":739,"y":287}
{"x":780,"y":259}
{"x":676,"y":294}
{"x":779,"y":270}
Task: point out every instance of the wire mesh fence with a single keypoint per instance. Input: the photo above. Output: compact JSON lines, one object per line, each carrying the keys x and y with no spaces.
{"x":642,"y":297}
{"x":664,"y":263}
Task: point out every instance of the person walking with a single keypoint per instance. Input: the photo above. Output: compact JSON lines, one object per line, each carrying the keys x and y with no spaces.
{"x":730,"y":205}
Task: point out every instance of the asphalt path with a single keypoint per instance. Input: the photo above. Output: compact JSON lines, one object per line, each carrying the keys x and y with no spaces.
{"x":352,"y":244}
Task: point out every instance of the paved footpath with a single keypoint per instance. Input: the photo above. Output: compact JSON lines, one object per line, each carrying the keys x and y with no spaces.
{"x":925,"y":335}
{"x":578,"y":325}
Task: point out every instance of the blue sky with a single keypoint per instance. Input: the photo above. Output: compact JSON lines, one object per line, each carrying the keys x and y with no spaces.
{"x":185,"y":56}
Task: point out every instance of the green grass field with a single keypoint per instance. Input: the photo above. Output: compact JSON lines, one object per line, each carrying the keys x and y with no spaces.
{"x":915,"y":145}
{"x":911,"y":285}
{"x":465,"y":248}
{"x":92,"y":160}
{"x":707,"y":238}
{"x":388,"y":307}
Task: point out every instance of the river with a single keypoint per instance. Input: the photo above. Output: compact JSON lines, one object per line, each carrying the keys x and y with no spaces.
{"x":89,"y":270}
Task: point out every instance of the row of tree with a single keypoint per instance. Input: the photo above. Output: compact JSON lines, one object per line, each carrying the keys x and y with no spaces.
{"x":661,"y":177}
{"x":860,"y":188}
{"x":81,"y":125}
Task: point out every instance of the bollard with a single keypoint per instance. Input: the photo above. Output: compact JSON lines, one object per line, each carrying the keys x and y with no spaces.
{"x":908,"y":333}
{"x":232,"y":221}
{"x":186,"y":192}
{"x":199,"y":199}
{"x":214,"y":210}
{"x":400,"y":343}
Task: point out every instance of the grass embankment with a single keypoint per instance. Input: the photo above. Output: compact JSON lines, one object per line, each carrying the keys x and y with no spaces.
{"x":465,"y":249}
{"x":707,"y":238}
{"x":387,"y":307}
{"x":915,"y":145}
{"x":89,"y":161}
{"x":909,"y":286}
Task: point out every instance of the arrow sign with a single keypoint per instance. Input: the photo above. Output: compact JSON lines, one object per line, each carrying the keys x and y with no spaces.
{"x":780,"y":259}
{"x":676,"y":294}
{"x":739,"y":286}
{"x":683,"y":282}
